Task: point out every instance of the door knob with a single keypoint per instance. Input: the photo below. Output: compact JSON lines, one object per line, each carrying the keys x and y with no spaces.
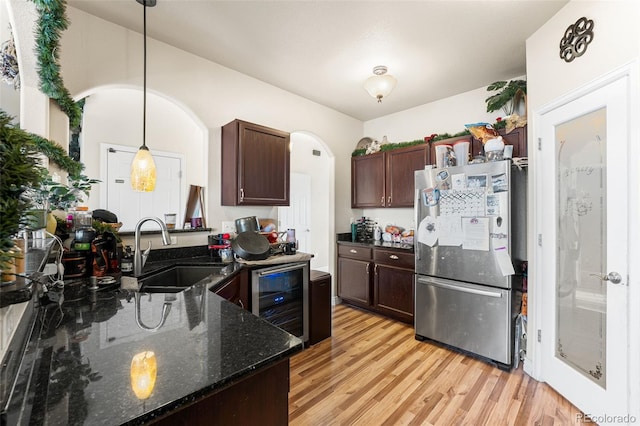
{"x":612,"y":277}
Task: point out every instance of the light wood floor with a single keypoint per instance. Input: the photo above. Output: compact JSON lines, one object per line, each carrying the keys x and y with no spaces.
{"x":372,"y":371}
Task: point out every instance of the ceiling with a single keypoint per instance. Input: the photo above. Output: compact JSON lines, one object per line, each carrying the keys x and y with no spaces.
{"x":325,"y":50}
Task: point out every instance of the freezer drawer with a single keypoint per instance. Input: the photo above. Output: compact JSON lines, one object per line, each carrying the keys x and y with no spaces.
{"x":474,"y":318}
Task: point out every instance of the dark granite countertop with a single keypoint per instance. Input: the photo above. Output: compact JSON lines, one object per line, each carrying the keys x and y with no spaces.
{"x":345,"y":238}
{"x":76,"y":369}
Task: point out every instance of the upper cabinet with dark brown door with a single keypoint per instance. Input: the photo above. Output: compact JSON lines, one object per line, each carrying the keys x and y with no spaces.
{"x":385,"y":179}
{"x":401,"y":165}
{"x":367,"y":180}
{"x":255,"y":165}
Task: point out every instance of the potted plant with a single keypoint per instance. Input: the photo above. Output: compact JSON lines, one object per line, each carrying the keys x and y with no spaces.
{"x":51,"y":195}
{"x":510,"y":95}
{"x":19,"y":170}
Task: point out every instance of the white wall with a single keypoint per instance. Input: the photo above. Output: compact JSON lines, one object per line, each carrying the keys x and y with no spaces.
{"x":96,"y":53}
{"x":616,"y":42}
{"x":114,"y":116}
{"x":319,"y":169}
{"x":447,"y":115}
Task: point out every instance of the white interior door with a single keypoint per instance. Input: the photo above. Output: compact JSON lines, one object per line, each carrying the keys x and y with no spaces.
{"x":298,"y":214}
{"x":130,"y":206}
{"x":584,"y":270}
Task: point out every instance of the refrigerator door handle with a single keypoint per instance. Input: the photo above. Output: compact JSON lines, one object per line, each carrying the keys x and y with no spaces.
{"x":438,"y":283}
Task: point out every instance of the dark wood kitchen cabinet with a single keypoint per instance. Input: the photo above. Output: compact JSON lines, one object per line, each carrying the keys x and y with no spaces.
{"x":393,"y":284}
{"x":261,"y":398}
{"x":385,"y":179}
{"x":367,"y":181}
{"x":236,"y":290}
{"x":354,"y":268}
{"x":319,"y":306}
{"x":377,"y":279}
{"x":255,"y":165}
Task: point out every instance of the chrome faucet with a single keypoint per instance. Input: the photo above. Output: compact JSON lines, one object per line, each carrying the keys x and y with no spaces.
{"x":139,"y":258}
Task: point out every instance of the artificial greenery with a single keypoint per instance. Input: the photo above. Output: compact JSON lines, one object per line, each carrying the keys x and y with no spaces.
{"x":51,"y":195}
{"x":444,"y":136}
{"x":19,"y":170}
{"x":509,"y":95}
{"x":392,"y":146}
{"x":57,"y":155}
{"x":51,"y":22}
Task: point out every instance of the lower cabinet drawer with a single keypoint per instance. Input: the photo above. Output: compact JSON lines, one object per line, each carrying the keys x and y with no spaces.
{"x":354,"y":252}
{"x":395,"y":258}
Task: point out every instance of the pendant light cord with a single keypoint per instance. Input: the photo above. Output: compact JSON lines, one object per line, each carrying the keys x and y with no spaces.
{"x":144,"y":79}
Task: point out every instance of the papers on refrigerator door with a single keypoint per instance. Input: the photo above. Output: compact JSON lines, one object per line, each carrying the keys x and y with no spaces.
{"x":504,"y":261}
{"x":476,"y":233}
{"x":468,"y":202}
{"x":428,"y":231}
{"x":450,"y":231}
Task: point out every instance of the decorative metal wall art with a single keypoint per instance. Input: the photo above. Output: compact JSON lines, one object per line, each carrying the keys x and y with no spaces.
{"x":576,"y":39}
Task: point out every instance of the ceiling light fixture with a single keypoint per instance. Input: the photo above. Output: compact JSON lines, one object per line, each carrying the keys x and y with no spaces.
{"x":380,"y":84}
{"x":143,"y":168}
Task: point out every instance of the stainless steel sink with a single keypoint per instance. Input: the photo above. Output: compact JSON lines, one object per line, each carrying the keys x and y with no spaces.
{"x":178,"y":278}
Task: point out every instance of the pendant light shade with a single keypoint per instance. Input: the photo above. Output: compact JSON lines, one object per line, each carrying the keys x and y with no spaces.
{"x":143,"y":171}
{"x":143,"y":168}
{"x":380,"y":84}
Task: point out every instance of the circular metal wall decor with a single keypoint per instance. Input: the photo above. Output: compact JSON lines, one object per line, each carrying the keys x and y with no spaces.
{"x":576,"y":39}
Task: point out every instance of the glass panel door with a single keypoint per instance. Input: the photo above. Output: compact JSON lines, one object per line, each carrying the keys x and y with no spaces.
{"x":581,"y":293}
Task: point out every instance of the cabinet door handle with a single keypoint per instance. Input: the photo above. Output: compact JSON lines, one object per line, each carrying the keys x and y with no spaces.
{"x":382,"y":201}
{"x":394,"y":257}
{"x":366,"y":267}
{"x":353,"y":251}
{"x":389,"y":200}
{"x":375,"y":269}
{"x":241,"y":194}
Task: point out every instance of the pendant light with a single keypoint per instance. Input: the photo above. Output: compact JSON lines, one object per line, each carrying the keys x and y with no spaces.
{"x":380,"y":84}
{"x":143,"y":168}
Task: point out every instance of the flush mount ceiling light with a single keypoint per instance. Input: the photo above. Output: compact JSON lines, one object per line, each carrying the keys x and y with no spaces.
{"x":143,"y":168}
{"x":380,"y":84}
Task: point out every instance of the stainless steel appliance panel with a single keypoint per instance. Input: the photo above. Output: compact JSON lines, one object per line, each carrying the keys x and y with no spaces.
{"x":280,"y":295}
{"x":454,"y":262}
{"x":474,"y":318}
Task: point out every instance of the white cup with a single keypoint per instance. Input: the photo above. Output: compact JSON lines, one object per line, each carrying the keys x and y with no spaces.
{"x":170,"y":220}
{"x":461,"y":149}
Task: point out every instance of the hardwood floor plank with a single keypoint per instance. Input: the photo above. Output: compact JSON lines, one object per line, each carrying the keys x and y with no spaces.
{"x":373,"y":371}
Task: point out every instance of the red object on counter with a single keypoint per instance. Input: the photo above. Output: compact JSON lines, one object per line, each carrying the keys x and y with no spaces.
{"x":219,"y":246}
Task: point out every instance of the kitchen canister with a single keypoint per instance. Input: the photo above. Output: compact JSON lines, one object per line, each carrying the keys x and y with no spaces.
{"x":461,"y":149}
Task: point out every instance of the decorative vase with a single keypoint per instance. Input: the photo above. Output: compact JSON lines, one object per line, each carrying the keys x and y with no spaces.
{"x":52,"y":223}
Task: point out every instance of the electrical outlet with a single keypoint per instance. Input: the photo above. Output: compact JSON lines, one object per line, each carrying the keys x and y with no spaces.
{"x":228,"y":227}
{"x":174,"y":240}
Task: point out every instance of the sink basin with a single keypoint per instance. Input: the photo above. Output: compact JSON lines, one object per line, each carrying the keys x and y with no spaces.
{"x":178,"y":278}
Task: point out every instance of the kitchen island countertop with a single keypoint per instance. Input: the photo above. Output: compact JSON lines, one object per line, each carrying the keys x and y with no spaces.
{"x":77,"y":364}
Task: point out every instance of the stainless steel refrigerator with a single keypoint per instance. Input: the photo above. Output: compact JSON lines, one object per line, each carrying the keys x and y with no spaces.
{"x":469,"y":246}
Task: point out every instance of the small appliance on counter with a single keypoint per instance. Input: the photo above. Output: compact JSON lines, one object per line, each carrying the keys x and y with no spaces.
{"x":364,"y":229}
{"x":220,"y":247}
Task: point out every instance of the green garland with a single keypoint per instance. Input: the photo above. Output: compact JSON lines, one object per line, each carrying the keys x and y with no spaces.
{"x":51,"y":23}
{"x":57,"y":155}
{"x":392,"y":146}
